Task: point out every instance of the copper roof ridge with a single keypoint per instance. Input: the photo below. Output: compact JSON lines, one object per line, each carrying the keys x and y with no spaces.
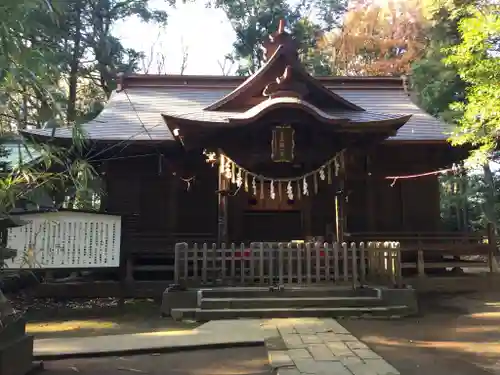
{"x":229,"y":86}
{"x":214,"y":77}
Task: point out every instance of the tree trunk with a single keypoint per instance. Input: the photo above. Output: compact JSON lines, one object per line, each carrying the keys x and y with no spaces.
{"x":74,"y":67}
{"x":489,"y":196}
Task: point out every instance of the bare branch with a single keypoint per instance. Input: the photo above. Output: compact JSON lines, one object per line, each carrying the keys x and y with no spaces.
{"x":147,"y":61}
{"x":226,"y":65}
{"x":185,"y":56}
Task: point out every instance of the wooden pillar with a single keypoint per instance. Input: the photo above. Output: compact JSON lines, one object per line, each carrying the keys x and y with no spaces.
{"x":402,"y":205}
{"x":306,"y":209}
{"x":340,"y":200}
{"x":104,"y":168}
{"x":172,"y":209}
{"x":236,"y":214}
{"x":306,"y":216}
{"x":369,"y":186}
{"x":223,"y":185}
{"x":129,"y":268}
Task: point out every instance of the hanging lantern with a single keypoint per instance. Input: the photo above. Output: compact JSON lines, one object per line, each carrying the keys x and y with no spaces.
{"x":283,"y":144}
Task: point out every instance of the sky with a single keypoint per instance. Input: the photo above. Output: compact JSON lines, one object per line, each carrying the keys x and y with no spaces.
{"x":205,"y":33}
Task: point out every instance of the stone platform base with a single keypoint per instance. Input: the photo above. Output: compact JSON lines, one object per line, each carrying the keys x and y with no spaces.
{"x":16,"y":357}
{"x":16,"y":349}
{"x":240,"y":302}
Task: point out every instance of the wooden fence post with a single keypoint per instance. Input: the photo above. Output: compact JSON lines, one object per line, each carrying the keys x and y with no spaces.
{"x":336,"y":256}
{"x":326,"y":249}
{"x":420,"y":263}
{"x":399,"y":273}
{"x":354,"y":271}
{"x":177,"y":262}
{"x":300,"y":269}
{"x":204,"y":264}
{"x":223,"y":261}
{"x":195,"y":253}
{"x":345,"y":261}
{"x":280,"y":263}
{"x":261,"y":262}
{"x":362,"y":262}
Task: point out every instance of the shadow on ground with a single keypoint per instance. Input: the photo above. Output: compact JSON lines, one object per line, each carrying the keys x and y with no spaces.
{"x":233,"y":361}
{"x":81,"y":318}
{"x":455,"y":334}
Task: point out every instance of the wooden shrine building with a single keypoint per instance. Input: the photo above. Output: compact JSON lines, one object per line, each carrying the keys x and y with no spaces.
{"x":277,"y":156}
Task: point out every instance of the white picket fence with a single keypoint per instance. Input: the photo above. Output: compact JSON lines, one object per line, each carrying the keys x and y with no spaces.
{"x":286,"y":263}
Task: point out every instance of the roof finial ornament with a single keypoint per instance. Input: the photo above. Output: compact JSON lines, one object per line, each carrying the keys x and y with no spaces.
{"x":281,"y":26}
{"x":280,"y":38}
{"x":285,"y":86}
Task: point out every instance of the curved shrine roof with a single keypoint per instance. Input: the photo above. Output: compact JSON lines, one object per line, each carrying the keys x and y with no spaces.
{"x":225,"y":118}
{"x":162,"y":105}
{"x":135,"y":113}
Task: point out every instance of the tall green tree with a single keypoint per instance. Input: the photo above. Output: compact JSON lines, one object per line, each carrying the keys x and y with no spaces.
{"x":435,"y":83}
{"x":28,"y":62}
{"x":477,"y":61}
{"x":254,"y":20}
{"x":60,"y":58}
{"x":457,"y":80}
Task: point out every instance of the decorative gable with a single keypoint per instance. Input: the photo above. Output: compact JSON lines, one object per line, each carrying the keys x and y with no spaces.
{"x":282,"y":75}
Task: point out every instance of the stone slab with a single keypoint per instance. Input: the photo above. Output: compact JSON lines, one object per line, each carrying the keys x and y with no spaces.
{"x":288,"y":371}
{"x":340,"y":349}
{"x":310,"y":366}
{"x":279,"y":358}
{"x":366,"y":354}
{"x":360,"y":368}
{"x":216,"y":333}
{"x":297,"y":354}
{"x":356,"y":345}
{"x":293,"y":341}
{"x":329,"y":337}
{"x":311,"y":339}
{"x":381,"y":367}
{"x":321,"y":352}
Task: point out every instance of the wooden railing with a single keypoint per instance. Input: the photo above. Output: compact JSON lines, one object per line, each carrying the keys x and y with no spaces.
{"x":422,"y":238}
{"x":286,"y":263}
{"x":442,"y":250}
{"x":384,"y":263}
{"x":441,"y":256}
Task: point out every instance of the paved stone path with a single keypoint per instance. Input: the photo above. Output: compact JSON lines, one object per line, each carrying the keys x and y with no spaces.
{"x":296,"y":346}
{"x":319,"y":347}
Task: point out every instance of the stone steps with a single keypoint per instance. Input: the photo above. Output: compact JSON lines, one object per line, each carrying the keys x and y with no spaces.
{"x":287,"y":302}
{"x":294,"y":292}
{"x":216,"y":314}
{"x":251,"y":302}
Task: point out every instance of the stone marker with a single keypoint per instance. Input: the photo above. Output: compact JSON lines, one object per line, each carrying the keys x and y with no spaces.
{"x":16,"y":347}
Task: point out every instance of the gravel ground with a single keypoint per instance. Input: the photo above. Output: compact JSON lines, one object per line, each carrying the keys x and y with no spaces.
{"x":456,"y":334}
